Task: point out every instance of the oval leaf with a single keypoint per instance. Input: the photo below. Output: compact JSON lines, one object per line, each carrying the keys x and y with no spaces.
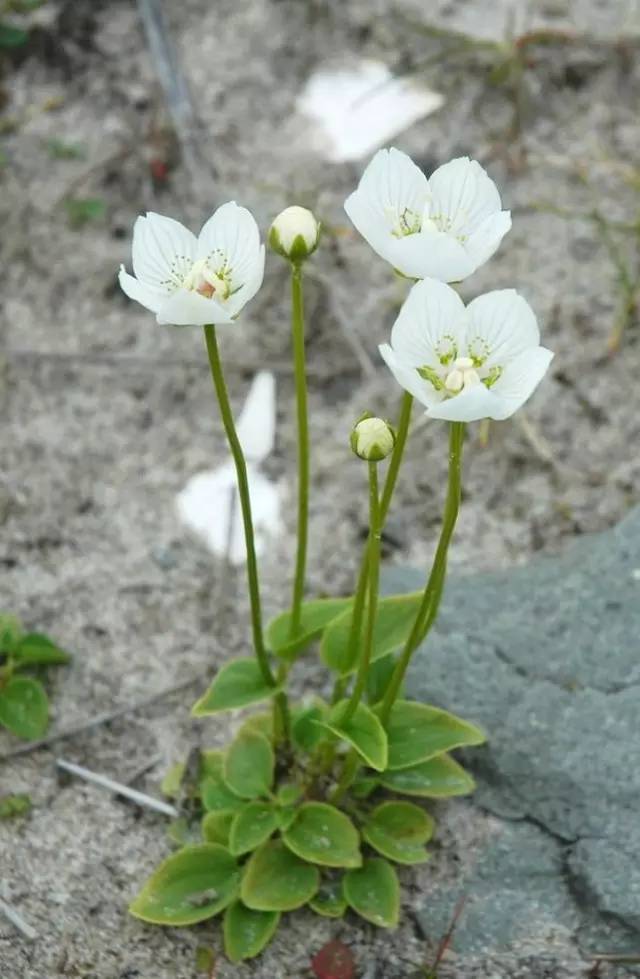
{"x":249,"y":764}
{"x":247,"y":932}
{"x":437,"y":778}
{"x":216,"y":826}
{"x":276,"y":880}
{"x":398,"y":831}
{"x":35,"y":649}
{"x":10,"y":632}
{"x":373,"y":892}
{"x":417,"y":732}
{"x":363,"y":731}
{"x":251,"y":827}
{"x":24,"y":708}
{"x":214,"y":791}
{"x":329,"y":901}
{"x":322,"y":834}
{"x":394,"y":620}
{"x":190,"y":886}
{"x":239,"y":683}
{"x":315,"y":617}
{"x":306,"y":730}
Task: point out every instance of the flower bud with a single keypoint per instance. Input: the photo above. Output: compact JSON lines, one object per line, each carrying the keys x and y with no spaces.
{"x":373,"y":439}
{"x":295,"y":233}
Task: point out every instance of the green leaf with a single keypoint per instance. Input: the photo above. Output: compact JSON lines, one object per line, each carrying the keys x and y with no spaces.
{"x":190,"y":886}
{"x":373,"y":892}
{"x":251,"y":827}
{"x":285,"y":817}
{"x":394,"y":620}
{"x":249,"y":765}
{"x":216,"y":794}
{"x":315,"y":617}
{"x":10,"y":632}
{"x":329,"y":901}
{"x":306,"y":732}
{"x":437,"y":778}
{"x":417,"y":732}
{"x":276,"y":880}
{"x":262,"y":722}
{"x":363,"y":731}
{"x":83,"y":210}
{"x":12,"y":37}
{"x":322,"y":834}
{"x":14,"y":805}
{"x":35,"y":649}
{"x":364,"y":786}
{"x":288,"y":794}
{"x":247,"y":932}
{"x":379,"y":677}
{"x":216,"y":826}
{"x":181,"y":832}
{"x":172,"y":781}
{"x":24,"y":708}
{"x":239,"y":683}
{"x":398,"y":831}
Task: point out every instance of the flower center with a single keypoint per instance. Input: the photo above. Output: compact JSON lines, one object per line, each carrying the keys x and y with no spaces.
{"x":403,"y":223}
{"x":461,"y":375}
{"x":200,"y":278}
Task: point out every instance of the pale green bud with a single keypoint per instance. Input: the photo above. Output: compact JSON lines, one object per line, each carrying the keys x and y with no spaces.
{"x":295,"y":233}
{"x":373,"y":439}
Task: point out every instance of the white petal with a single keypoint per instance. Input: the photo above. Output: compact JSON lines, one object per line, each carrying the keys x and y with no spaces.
{"x":462,"y":191}
{"x":485,"y":240}
{"x":432,"y":315}
{"x":143,"y":294}
{"x":409,"y":379}
{"x":231,"y":237}
{"x":520,"y":379}
{"x":471,"y":405}
{"x":392,"y":181}
{"x":370,"y":222}
{"x":163,"y":252}
{"x":188,"y":308}
{"x":256,"y":424}
{"x":430,"y":254}
{"x":241,"y":297}
{"x":503,"y":324}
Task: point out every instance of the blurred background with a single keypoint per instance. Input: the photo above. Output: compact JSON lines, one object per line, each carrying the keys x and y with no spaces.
{"x":112,"y":109}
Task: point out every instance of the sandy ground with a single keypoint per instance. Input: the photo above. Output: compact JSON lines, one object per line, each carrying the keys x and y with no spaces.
{"x":105,"y":415}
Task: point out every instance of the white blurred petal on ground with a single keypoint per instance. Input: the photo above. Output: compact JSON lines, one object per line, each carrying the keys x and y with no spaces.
{"x":256,"y":424}
{"x":360,"y":107}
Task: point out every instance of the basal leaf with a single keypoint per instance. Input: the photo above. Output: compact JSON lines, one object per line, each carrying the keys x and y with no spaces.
{"x":247,"y":932}
{"x":399,"y":830}
{"x":34,"y":649}
{"x":322,"y":834}
{"x":316,"y":615}
{"x":216,"y":794}
{"x":24,"y":708}
{"x":363,"y":731}
{"x":252,"y":826}
{"x":261,"y":722}
{"x":417,"y":732}
{"x":191,"y":885}
{"x":373,"y":892}
{"x":10,"y":632}
{"x":237,"y":684}
{"x":288,"y":794}
{"x":437,"y":778}
{"x":276,"y":880}
{"x":172,"y":781}
{"x":329,"y":901}
{"x":216,"y":826}
{"x":394,"y":621}
{"x":306,"y":732}
{"x":249,"y":765}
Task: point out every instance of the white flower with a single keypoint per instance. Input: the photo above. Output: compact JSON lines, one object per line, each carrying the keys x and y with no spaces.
{"x":444,"y":227}
{"x":295,"y":233}
{"x":189,"y":281}
{"x":465,"y":364}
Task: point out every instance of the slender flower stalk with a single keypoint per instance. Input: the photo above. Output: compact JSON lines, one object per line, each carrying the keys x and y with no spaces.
{"x":373,"y":553}
{"x":297,"y":327}
{"x":435,"y":585}
{"x":235,"y":447}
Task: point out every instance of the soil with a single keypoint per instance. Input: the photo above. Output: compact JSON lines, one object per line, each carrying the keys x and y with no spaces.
{"x":105,"y":415}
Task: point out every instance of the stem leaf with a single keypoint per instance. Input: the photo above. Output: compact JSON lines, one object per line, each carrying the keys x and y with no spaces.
{"x":239,"y":683}
{"x":315,"y":617}
{"x":394,"y":620}
{"x":438,"y":778}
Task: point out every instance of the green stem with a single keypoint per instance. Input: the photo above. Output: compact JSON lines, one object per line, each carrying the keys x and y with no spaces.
{"x":373,"y":551}
{"x":297,"y":329}
{"x":226,"y":413}
{"x":349,"y":772}
{"x":435,"y":585}
{"x":385,"y":502}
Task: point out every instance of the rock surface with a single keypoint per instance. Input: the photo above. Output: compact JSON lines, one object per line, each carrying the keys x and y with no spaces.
{"x":545,"y":657}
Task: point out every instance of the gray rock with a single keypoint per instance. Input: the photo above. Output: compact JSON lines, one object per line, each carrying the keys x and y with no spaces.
{"x":545,"y":658}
